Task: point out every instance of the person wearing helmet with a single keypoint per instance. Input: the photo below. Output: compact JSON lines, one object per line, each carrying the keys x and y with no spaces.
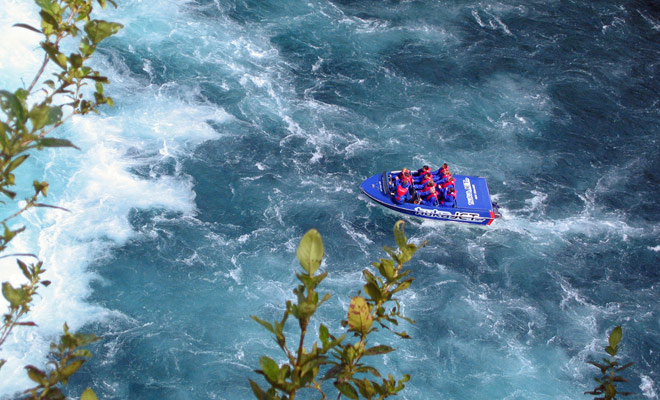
{"x":422,"y":183}
{"x":421,"y":172}
{"x":448,"y":197}
{"x":430,"y":196}
{"x":403,"y":175}
{"x":442,"y":178}
{"x":401,"y":192}
{"x":444,"y":169}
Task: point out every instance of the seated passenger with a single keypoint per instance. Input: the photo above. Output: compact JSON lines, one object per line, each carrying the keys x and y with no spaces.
{"x":396,"y":177}
{"x":448,"y":197}
{"x":442,"y":178}
{"x":404,"y":174}
{"x":445,"y":183}
{"x":430,"y":196}
{"x":442,"y":170}
{"x":402,"y":192}
{"x":423,"y":181}
{"x":422,"y":171}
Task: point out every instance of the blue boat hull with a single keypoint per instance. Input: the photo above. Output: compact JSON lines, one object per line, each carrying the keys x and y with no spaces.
{"x":473,"y":204}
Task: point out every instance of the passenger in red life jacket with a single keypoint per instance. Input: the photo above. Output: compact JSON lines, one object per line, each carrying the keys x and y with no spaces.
{"x":422,"y":183}
{"x":440,"y":179}
{"x":402,"y":192}
{"x":448,"y":197}
{"x":421,"y":172}
{"x":442,"y":170}
{"x":396,"y":178}
{"x":448,"y":182}
{"x":430,"y":196}
{"x":403,"y":175}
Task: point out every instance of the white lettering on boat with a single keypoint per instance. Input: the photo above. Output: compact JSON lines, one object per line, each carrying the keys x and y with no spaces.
{"x":463,"y":216}
{"x":468,"y":191}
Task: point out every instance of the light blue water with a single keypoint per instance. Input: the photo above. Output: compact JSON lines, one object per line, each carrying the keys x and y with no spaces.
{"x":239,"y":125}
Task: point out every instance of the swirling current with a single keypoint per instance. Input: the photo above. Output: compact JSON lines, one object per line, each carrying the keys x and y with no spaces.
{"x":241,"y":124}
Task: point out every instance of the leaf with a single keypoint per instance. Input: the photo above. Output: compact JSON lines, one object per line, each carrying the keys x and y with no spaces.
{"x":36,"y":374}
{"x":82,"y":353}
{"x":263,"y":323}
{"x":54,"y":142}
{"x":8,"y":193}
{"x":71,"y":368}
{"x":310,"y":251}
{"x":371,"y":370}
{"x":373,"y":291}
{"x":333,"y":372}
{"x":16,"y":162}
{"x":88,"y":394}
{"x":382,"y":349}
{"x":611,"y":351}
{"x":13,"y":104}
{"x":43,"y":115}
{"x":258,"y":392}
{"x":97,"y":30}
{"x":366,"y":387}
{"x":324,"y":334}
{"x":624,"y":367}
{"x":602,"y":367}
{"x":83,"y":339}
{"x":403,"y":285}
{"x":386,"y":268}
{"x":76,"y":60}
{"x":359,"y":315}
{"x":48,"y":23}
{"x":270,"y":368}
{"x":46,"y":5}
{"x":615,"y":337}
{"x":399,"y":236}
{"x":54,"y":54}
{"x":101,"y":79}
{"x":347,"y":390}
{"x":28,"y":27}
{"x":15,"y":297}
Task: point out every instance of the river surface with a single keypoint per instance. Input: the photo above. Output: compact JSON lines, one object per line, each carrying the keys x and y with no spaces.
{"x":241,"y":124}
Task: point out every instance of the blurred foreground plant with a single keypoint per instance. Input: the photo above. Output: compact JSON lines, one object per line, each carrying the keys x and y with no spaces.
{"x":344,"y":361}
{"x":609,"y":368}
{"x":27,"y":116}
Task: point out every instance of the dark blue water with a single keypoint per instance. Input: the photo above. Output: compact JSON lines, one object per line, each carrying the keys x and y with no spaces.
{"x":239,"y":125}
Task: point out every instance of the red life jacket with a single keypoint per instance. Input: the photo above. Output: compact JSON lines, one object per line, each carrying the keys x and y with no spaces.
{"x":433,"y":195}
{"x":450,"y":182}
{"x":400,"y":192}
{"x":426,"y":179}
{"x":453,"y":194}
{"x":407,"y":178}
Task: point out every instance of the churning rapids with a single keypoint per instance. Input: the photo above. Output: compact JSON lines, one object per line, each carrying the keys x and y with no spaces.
{"x":241,"y":124}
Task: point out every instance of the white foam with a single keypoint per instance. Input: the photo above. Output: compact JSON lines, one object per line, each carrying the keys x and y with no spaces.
{"x":150,"y":125}
{"x":646,"y":386}
{"x":18,"y":46}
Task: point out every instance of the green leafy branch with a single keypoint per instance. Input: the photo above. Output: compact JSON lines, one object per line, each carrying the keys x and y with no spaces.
{"x":26,"y":120}
{"x":609,"y":368}
{"x":347,"y":369}
{"x":67,"y":357}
